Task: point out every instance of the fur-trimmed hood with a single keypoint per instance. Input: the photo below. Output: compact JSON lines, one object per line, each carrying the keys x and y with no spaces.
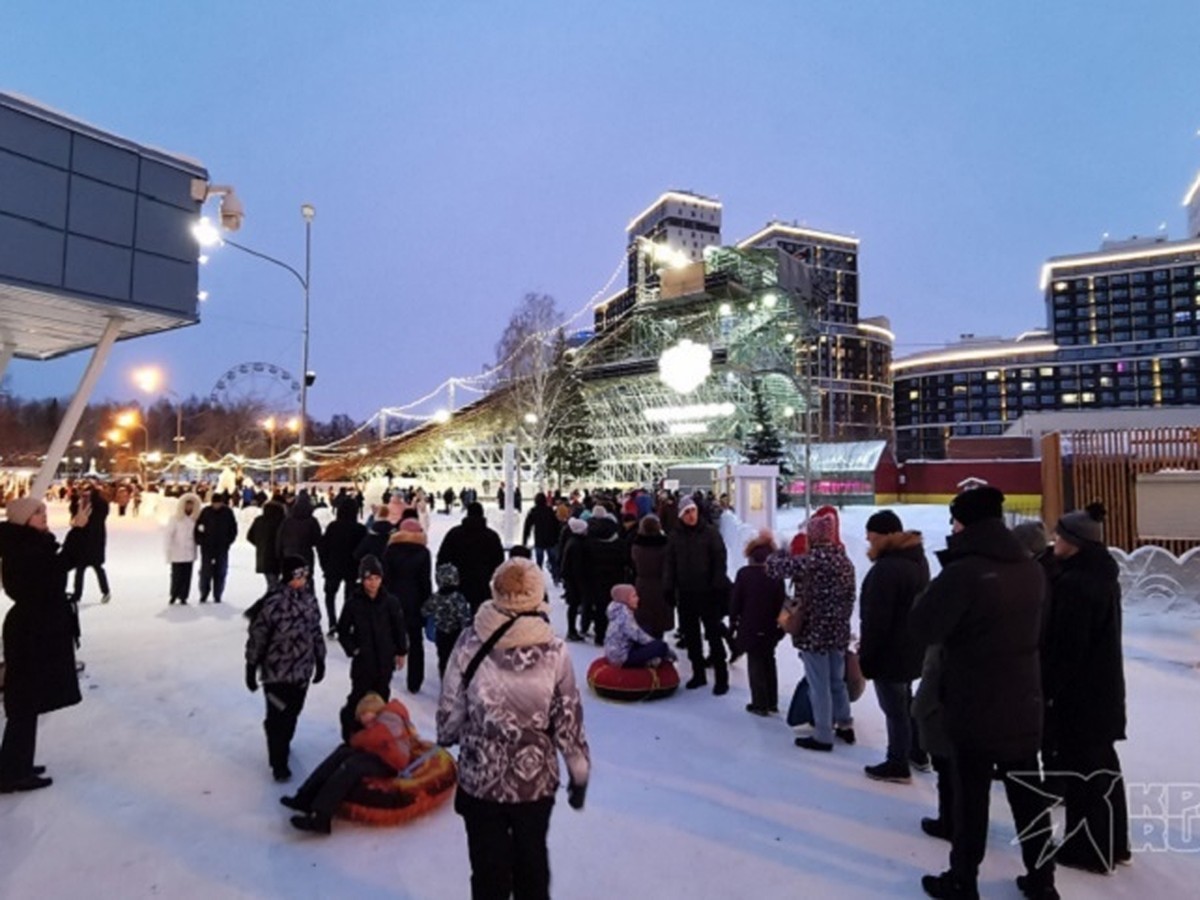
{"x":182,"y":502}
{"x":408,"y":537}
{"x":896,"y":542}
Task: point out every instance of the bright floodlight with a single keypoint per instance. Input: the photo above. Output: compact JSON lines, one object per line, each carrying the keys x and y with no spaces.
{"x":770,"y":300}
{"x":531,"y":418}
{"x":148,"y":379}
{"x":685,"y":366}
{"x":293,"y":424}
{"x":206,"y":233}
{"x":441,"y":416}
{"x":127,"y":419}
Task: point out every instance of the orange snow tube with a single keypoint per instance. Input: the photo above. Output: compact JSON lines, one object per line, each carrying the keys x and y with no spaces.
{"x":424,"y":785}
{"x":642,"y":683}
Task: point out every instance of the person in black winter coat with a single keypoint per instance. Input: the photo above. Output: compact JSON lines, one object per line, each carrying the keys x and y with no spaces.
{"x":1084,"y":680}
{"x":753,"y":614}
{"x":216,"y":530}
{"x":543,"y":524}
{"x":476,"y":551}
{"x":371,"y":631}
{"x":336,"y":551}
{"x":408,"y":576}
{"x":605,"y":564}
{"x":985,"y":608}
{"x":39,"y":634}
{"x":574,"y":583}
{"x":695,"y":581}
{"x":94,"y":541}
{"x":285,"y":644}
{"x":300,"y":533}
{"x":263,"y":534}
{"x":888,"y":652}
{"x":375,"y":539}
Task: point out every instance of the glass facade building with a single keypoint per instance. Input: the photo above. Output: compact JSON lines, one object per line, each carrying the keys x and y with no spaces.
{"x":1122,"y":332}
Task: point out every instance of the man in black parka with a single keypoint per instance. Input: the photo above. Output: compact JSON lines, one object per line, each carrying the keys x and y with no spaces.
{"x":476,"y":551}
{"x":985,"y":608}
{"x":889,"y":653}
{"x":371,"y":631}
{"x":1084,"y":681}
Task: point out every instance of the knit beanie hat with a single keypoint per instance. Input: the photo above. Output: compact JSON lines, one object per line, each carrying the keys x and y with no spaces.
{"x":577,"y":526}
{"x":976,"y":504}
{"x":820,"y":530}
{"x":685,"y":504}
{"x":622,"y":593}
{"x":294,"y":567}
{"x":1083,"y":526}
{"x":884,"y":522}
{"x":599,"y":511}
{"x":412,"y":525}
{"x":447,"y":575}
{"x":370,"y":565}
{"x":371,"y":702}
{"x":517,"y":586}
{"x":1031,"y":536}
{"x":759,"y":547}
{"x":21,"y":510}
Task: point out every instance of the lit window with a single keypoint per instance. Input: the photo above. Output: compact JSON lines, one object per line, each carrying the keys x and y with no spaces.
{"x":1046,"y":371}
{"x":914,"y":395}
{"x":992,"y":375}
{"x":1070,"y":398}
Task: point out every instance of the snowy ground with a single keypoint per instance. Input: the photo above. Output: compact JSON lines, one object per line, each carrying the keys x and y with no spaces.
{"x":162,"y":787}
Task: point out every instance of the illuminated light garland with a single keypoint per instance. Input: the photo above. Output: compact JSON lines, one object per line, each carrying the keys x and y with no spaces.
{"x":688,"y":428}
{"x":685,"y":413}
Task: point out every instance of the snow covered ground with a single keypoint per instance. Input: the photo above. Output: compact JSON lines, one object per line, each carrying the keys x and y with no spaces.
{"x":162,"y":787}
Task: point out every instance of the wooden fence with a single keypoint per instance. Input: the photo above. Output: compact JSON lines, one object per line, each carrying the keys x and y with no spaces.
{"x":1080,"y":467}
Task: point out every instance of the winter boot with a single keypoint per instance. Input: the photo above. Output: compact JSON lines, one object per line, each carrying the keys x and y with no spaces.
{"x":949,"y":887}
{"x":938,"y":828}
{"x":721,"y":681}
{"x":811,"y":743}
{"x":895,"y":772}
{"x":1037,"y":887}
{"x":845,"y":735}
{"x":698,"y":680}
{"x":314,"y":822}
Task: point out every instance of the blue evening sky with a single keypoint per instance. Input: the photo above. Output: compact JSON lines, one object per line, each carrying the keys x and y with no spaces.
{"x":460,"y":154}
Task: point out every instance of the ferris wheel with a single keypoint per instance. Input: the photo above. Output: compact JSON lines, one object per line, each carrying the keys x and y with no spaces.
{"x":258,"y":384}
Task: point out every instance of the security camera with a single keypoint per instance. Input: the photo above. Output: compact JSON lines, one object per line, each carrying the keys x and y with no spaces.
{"x":232,"y":212}
{"x":310,"y":378}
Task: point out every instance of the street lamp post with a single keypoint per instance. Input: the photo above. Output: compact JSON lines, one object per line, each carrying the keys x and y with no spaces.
{"x":207,"y":235}
{"x":150,"y":380}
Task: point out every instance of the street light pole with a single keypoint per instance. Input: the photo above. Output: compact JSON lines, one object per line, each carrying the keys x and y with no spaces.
{"x":308,"y":211}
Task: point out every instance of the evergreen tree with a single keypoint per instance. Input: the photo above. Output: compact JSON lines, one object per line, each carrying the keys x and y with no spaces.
{"x":569,"y":449}
{"x":765,"y":446}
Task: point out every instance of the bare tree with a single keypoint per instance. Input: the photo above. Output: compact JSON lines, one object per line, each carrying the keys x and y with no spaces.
{"x":526,"y":357}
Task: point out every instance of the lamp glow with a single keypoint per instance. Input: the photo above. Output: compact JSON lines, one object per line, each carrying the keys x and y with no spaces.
{"x":684,"y":367}
{"x":206,"y":233}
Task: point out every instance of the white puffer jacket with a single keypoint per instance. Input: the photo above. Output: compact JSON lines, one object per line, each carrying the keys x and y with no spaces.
{"x":180,"y":538}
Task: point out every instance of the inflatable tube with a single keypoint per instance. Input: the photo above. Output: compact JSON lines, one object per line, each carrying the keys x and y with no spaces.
{"x":391,"y":801}
{"x":643,"y":683}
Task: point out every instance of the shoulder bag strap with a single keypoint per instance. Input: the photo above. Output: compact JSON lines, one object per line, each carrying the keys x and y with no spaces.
{"x":477,"y":659}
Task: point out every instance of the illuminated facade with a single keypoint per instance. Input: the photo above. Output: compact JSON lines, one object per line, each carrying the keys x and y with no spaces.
{"x":1123,"y":332}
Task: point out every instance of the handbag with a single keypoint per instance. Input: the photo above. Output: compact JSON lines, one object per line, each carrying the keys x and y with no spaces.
{"x":856,"y":683}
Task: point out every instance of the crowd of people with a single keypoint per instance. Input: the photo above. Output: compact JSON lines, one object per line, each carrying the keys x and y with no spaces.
{"x":1015,"y":646}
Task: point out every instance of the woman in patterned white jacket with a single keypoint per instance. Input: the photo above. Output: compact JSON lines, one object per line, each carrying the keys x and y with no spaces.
{"x":512,"y":710}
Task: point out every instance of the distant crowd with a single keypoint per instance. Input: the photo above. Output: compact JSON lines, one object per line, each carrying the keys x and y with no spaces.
{"x":1015,"y":646}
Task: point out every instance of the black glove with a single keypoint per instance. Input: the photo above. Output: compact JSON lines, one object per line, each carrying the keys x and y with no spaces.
{"x":251,"y":677}
{"x":319,"y":675}
{"x":576,"y":794}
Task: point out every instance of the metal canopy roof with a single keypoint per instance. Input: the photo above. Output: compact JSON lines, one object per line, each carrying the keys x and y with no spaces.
{"x":41,"y":324}
{"x":93,"y":227}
